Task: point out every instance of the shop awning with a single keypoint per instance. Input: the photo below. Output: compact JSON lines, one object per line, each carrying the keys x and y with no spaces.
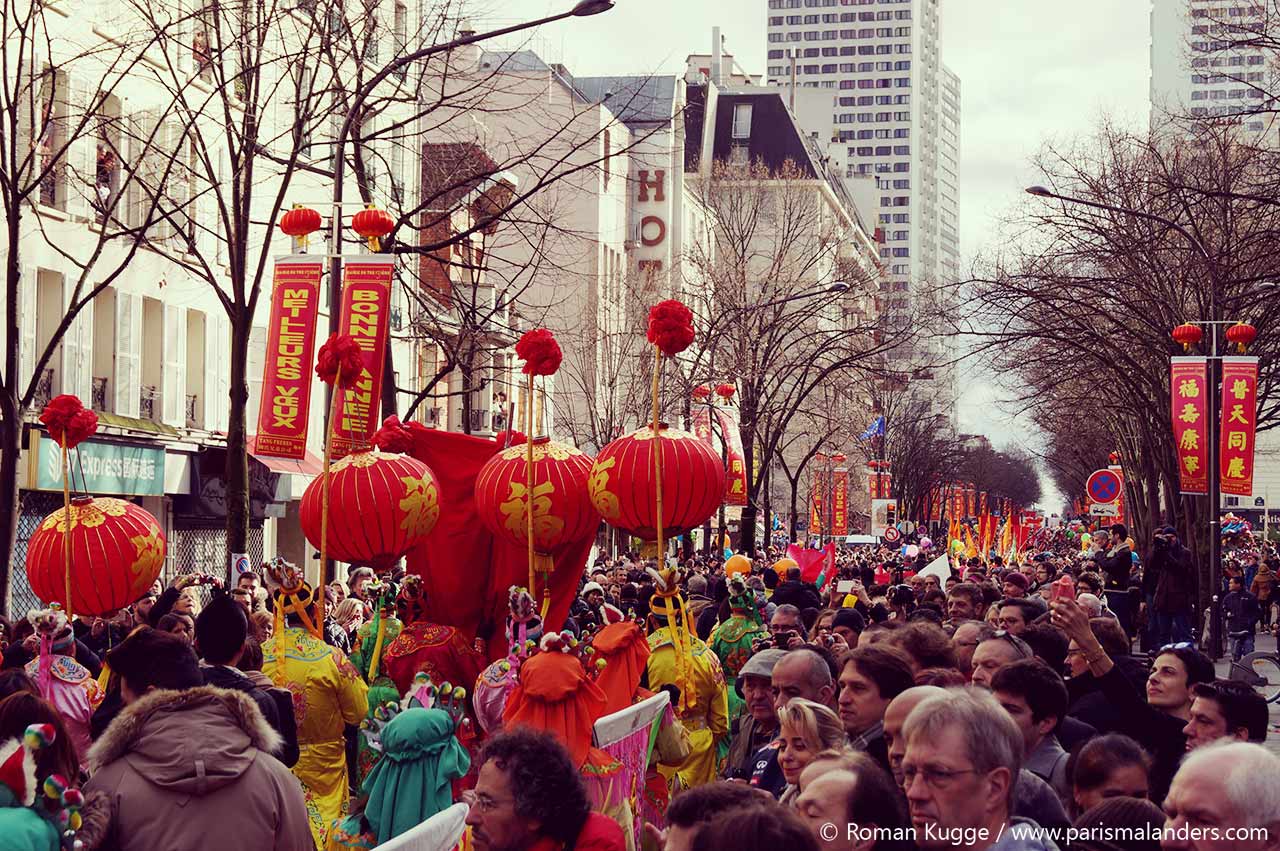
{"x":311,"y":465}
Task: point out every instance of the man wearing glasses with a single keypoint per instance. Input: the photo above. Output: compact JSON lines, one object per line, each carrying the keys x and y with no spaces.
{"x":963,"y":755}
{"x":993,"y":654}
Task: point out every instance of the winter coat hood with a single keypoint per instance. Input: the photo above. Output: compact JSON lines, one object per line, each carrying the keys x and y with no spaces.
{"x":190,"y":742}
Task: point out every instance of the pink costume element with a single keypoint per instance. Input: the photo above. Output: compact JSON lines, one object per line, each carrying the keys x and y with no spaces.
{"x":71,"y":689}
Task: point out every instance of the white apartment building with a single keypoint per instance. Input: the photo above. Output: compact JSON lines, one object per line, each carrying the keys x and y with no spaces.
{"x":891,"y":112}
{"x":1200,"y":68}
{"x":150,"y":353}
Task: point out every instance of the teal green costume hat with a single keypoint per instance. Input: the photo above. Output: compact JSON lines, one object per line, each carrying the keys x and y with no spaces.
{"x":412,"y":781}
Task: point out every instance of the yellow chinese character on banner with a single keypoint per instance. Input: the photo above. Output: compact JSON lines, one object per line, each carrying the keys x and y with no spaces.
{"x":1237,"y":415}
{"x":1191,"y":463}
{"x":1189,"y":413}
{"x":1235,"y":468}
{"x":1190,"y":439}
{"x":1237,"y":440}
{"x":1189,"y":387}
{"x":1239,"y":388}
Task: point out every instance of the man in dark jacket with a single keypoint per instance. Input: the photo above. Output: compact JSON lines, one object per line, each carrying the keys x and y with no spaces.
{"x":1117,"y":567}
{"x":1241,"y":612}
{"x":221,"y":631}
{"x":1173,"y":588}
{"x":802,"y":595}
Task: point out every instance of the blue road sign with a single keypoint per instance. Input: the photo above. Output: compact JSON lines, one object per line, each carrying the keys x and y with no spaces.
{"x":1103,"y":486}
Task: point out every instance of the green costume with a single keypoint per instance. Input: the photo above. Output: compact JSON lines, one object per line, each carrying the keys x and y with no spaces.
{"x":732,"y":639}
{"x":367,"y":659}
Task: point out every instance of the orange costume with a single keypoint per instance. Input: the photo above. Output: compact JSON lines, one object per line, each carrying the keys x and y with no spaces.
{"x":556,"y":695}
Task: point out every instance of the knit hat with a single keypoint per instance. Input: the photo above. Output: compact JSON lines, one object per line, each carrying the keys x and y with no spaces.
{"x":1117,"y":820}
{"x":1017,"y":579}
{"x":23,"y":823}
{"x":591,"y":586}
{"x":850,"y":618}
{"x":149,"y":657}
{"x":221,"y":629}
{"x":625,"y":650}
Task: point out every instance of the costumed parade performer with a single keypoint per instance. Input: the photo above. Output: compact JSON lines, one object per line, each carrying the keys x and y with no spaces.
{"x":327,"y":694}
{"x":441,"y":652}
{"x":63,"y":681}
{"x":419,"y":758}
{"x":496,"y":682}
{"x":678,"y":657}
{"x":368,"y":657}
{"x":732,"y":640}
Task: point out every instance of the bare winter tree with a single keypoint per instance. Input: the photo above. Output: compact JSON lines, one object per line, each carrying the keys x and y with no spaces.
{"x":65,"y":191}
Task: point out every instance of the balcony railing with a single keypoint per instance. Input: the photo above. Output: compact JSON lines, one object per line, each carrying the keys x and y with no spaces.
{"x":44,"y":390}
{"x":192,"y":421}
{"x":479,"y":421}
{"x":99,"y":399}
{"x":147,"y":396}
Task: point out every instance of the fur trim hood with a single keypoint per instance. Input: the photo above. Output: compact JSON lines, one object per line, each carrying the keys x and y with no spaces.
{"x":192,"y":741}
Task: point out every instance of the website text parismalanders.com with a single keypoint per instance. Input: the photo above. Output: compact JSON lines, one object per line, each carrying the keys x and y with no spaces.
{"x":937,"y":834}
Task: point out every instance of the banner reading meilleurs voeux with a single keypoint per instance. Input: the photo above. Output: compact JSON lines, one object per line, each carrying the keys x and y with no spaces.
{"x":366,"y":308}
{"x":285,"y":404}
{"x":1189,"y":395}
{"x":1239,"y":424}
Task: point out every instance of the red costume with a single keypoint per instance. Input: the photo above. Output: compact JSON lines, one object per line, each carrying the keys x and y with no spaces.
{"x":441,"y":652}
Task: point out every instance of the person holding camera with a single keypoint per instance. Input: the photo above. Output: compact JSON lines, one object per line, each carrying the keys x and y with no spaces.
{"x":1170,"y":576}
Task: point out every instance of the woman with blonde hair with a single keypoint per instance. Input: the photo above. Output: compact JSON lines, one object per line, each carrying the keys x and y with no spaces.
{"x":805,"y":729}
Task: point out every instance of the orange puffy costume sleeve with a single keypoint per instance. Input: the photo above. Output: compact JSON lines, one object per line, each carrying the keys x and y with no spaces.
{"x":625,"y":650}
{"x":555,"y":695}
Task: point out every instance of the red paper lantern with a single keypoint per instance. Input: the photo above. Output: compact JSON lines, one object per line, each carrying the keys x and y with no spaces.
{"x":117,"y":550}
{"x":562,"y":509}
{"x":372,"y":224}
{"x":380,"y":506}
{"x":701,"y":392}
{"x":300,"y":221}
{"x":1241,"y":335}
{"x":726,"y":391}
{"x":623,"y":490}
{"x":839,"y":457}
{"x":1188,"y":334}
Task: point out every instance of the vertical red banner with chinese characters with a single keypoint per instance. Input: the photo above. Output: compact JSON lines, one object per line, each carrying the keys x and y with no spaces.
{"x":283,"y":411}
{"x":365,"y":316}
{"x":840,"y":503}
{"x":935,"y":505}
{"x":1239,"y":424}
{"x":957,"y":501}
{"x":815,"y":496}
{"x":1189,"y":395}
{"x":969,"y":492}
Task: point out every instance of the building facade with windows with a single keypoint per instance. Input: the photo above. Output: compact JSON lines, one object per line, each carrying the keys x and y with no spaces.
{"x":1203,"y":66}
{"x":130,"y":205}
{"x":868,"y":80}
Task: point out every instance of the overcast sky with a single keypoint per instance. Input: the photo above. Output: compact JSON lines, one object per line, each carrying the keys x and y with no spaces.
{"x":1030,"y":72}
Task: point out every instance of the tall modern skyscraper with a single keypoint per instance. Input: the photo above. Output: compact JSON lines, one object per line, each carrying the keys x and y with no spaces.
{"x":892,"y":112}
{"x":1203,"y":66}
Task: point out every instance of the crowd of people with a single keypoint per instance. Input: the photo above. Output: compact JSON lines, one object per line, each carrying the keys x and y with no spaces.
{"x":986,"y":706}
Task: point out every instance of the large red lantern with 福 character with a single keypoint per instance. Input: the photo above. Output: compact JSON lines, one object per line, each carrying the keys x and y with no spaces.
{"x":562,"y":511}
{"x":623,"y":484}
{"x":381,"y":505}
{"x":117,"y":550}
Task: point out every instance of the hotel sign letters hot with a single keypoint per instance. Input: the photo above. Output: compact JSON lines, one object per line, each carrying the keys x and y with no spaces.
{"x":286,"y":371}
{"x":651,"y":200}
{"x":366,"y":308}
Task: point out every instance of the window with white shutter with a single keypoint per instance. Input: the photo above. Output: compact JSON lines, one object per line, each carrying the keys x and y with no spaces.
{"x":27,"y":327}
{"x":253,"y":374}
{"x":174,"y":387}
{"x":128,"y":352}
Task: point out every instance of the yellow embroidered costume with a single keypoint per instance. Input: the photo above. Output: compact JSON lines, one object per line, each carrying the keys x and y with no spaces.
{"x":328,"y":694}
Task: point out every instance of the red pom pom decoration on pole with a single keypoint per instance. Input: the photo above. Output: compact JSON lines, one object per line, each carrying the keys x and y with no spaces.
{"x":541,"y":355}
{"x":69,"y":422}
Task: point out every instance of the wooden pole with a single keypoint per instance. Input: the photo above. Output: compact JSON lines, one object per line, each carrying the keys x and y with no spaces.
{"x":69,"y":522}
{"x":324,"y":504}
{"x":528,"y":483}
{"x":657,"y":456}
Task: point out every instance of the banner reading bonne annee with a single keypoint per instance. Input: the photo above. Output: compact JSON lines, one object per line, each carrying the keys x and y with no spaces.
{"x":285,"y":404}
{"x":365,"y":316}
{"x":1189,"y":395}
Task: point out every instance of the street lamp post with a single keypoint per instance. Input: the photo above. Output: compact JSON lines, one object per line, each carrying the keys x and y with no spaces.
{"x":1215,"y":495}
